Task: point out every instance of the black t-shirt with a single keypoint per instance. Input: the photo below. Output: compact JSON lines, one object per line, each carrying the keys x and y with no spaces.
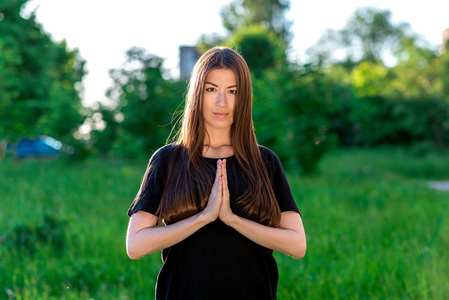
{"x":216,"y":262}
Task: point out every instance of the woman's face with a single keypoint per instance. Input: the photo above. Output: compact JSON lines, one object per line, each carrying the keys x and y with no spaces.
{"x":219,"y":96}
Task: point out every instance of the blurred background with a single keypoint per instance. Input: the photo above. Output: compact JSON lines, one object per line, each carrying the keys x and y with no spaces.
{"x":353,"y":96}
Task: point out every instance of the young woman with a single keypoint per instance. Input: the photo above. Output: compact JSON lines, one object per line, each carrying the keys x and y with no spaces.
{"x":224,"y":199}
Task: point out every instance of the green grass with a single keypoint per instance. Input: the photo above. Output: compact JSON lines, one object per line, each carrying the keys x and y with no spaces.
{"x":374,"y":230}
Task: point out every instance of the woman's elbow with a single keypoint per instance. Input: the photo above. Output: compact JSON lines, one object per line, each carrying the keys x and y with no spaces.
{"x":136,"y":250}
{"x":301,"y":253}
{"x":300,"y":250}
{"x":132,"y":250}
{"x":132,"y":255}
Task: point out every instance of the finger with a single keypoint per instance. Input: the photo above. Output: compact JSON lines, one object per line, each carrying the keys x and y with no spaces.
{"x":224,"y":167}
{"x":224,"y":173}
{"x":220,"y":187}
{"x":225,"y":183}
{"x":217,"y":174}
{"x":218,"y":164}
{"x":220,"y":167}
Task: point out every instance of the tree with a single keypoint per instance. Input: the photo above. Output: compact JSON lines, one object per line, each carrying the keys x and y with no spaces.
{"x":260,"y":47}
{"x":104,"y":121}
{"x":367,"y":36}
{"x":145,"y":100}
{"x":370,"y":79}
{"x":268,"y":13}
{"x":416,"y":72}
{"x":38,"y":79}
{"x":290,"y":115}
{"x":288,"y":99}
{"x":443,"y":71}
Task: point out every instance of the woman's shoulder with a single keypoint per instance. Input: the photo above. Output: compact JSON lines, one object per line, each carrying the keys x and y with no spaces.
{"x":267,"y":154}
{"x":163,"y":154}
{"x":270,"y":159}
{"x":166,"y":149}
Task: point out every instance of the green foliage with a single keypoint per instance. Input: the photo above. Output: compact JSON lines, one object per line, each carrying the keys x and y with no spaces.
{"x":266,"y":13}
{"x":260,"y":47}
{"x":443,"y":73}
{"x":285,"y":98}
{"x":374,"y":30}
{"x":106,"y":135}
{"x":416,"y":73}
{"x":288,"y":114}
{"x":207,"y":41}
{"x":356,"y":213}
{"x":367,"y":35}
{"x":374,"y":121}
{"x":369,"y":79}
{"x":38,"y":79}
{"x":146,"y":102}
{"x":403,"y":105}
{"x":304,"y":98}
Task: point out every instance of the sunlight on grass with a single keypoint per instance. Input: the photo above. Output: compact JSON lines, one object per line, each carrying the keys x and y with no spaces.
{"x":375,"y":230}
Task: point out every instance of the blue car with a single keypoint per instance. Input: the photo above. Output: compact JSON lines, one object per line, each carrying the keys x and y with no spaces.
{"x":42,"y":146}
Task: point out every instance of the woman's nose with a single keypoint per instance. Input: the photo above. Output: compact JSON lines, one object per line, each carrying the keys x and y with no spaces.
{"x":221,"y":100}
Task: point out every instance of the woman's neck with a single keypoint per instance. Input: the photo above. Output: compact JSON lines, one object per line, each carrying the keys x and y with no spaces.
{"x":217,"y":145}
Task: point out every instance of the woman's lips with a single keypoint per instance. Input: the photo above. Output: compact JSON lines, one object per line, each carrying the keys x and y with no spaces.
{"x":221,"y":115}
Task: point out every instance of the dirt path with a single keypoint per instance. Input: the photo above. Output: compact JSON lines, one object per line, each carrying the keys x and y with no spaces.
{"x":439,"y":185}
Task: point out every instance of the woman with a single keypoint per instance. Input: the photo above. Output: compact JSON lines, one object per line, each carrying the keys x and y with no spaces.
{"x":225,"y":201}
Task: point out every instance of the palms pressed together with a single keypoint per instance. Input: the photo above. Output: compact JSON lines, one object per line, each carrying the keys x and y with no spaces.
{"x":218,"y":205}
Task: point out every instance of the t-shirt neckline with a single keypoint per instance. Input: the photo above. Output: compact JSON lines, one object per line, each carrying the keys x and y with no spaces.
{"x":210,"y":158}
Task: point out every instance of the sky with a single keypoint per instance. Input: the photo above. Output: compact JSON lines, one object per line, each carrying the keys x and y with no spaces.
{"x":104,"y":30}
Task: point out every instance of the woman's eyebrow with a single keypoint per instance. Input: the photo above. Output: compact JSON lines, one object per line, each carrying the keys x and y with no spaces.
{"x":229,"y":87}
{"x":211,"y":83}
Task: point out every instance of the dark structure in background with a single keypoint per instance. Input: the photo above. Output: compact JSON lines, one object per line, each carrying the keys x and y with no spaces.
{"x":188,"y":56}
{"x":444,"y":45}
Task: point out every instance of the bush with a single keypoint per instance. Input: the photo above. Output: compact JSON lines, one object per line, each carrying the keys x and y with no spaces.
{"x":27,"y":239}
{"x":290,"y":117}
{"x":378,"y":121}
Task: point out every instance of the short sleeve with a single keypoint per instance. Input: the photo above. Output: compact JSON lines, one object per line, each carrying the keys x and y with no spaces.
{"x":153,"y":184}
{"x":279,"y":181}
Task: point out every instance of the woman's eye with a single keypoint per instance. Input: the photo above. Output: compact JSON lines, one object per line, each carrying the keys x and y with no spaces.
{"x":233,"y":92}
{"x":210,"y":89}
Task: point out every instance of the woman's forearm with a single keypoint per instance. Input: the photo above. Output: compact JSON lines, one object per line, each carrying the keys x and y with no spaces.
{"x":289,"y":241}
{"x":144,"y":237}
{"x":288,"y":238}
{"x":152,"y":239}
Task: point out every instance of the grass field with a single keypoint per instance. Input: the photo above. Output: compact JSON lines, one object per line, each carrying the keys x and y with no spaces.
{"x":374,"y":228}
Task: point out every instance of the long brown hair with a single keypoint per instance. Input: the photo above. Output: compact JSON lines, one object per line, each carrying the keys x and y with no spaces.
{"x":189,"y":178}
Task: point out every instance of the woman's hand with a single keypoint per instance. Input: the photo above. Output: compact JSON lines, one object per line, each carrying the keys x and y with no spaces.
{"x":144,"y":237}
{"x":288,"y":238}
{"x":212,"y":209}
{"x":218,"y":204}
{"x":225,"y":210}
